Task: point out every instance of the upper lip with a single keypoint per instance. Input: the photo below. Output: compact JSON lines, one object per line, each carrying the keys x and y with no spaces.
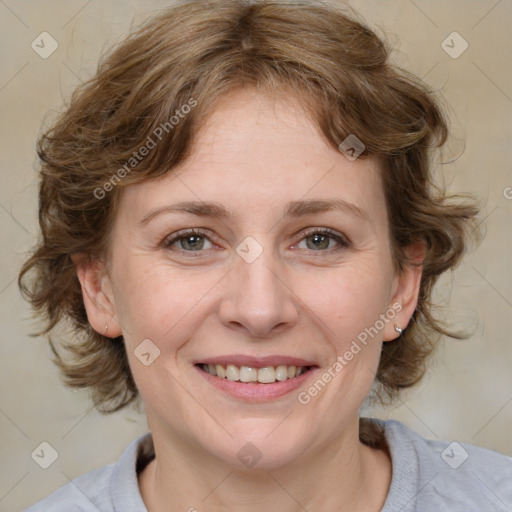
{"x":256,"y":362}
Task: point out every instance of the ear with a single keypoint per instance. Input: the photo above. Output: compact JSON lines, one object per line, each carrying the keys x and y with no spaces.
{"x":407,"y":286}
{"x":97,"y":294}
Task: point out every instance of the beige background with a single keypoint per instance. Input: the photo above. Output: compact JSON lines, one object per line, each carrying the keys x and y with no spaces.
{"x":466,"y":396}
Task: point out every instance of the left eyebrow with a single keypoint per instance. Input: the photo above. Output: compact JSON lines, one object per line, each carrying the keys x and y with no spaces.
{"x":292,"y":209}
{"x":311,"y":206}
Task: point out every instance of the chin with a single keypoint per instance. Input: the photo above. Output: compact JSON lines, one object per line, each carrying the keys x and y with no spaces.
{"x":262,"y":446}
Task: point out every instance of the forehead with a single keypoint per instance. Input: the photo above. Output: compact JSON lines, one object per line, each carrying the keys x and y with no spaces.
{"x":256,"y":154}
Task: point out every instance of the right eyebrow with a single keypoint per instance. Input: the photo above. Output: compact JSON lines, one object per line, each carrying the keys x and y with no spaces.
{"x":199,"y":208}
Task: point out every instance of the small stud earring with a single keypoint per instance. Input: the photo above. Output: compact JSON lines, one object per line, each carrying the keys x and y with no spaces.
{"x":398,"y":329}
{"x":106,"y":329}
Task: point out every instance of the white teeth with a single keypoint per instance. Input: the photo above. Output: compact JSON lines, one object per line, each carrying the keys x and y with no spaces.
{"x":232,"y":372}
{"x":281,"y":373}
{"x":248,"y":374}
{"x":266,"y":375}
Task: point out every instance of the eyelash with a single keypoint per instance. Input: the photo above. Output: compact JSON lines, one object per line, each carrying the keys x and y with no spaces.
{"x":180,"y":235}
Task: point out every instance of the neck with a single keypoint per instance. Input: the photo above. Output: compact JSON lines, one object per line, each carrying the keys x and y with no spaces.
{"x":343,"y":475}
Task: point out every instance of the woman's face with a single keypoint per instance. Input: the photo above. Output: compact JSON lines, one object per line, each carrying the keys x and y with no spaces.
{"x":260,"y":285}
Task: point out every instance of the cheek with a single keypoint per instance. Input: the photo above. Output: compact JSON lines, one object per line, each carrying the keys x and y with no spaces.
{"x":160,"y":309}
{"x":159,"y":302}
{"x":347,"y":300}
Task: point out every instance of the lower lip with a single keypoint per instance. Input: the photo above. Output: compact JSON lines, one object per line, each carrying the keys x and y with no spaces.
{"x":255,"y":391}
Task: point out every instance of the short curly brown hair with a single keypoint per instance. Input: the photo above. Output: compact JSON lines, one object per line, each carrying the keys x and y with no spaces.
{"x":330,"y":60}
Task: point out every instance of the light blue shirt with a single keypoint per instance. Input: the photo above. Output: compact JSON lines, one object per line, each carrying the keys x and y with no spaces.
{"x":428,"y":476}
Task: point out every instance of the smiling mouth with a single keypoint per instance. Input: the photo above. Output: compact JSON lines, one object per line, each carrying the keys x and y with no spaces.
{"x":248,"y":375}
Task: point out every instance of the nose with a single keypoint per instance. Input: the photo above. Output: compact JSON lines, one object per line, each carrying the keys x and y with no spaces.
{"x":257,"y":300}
